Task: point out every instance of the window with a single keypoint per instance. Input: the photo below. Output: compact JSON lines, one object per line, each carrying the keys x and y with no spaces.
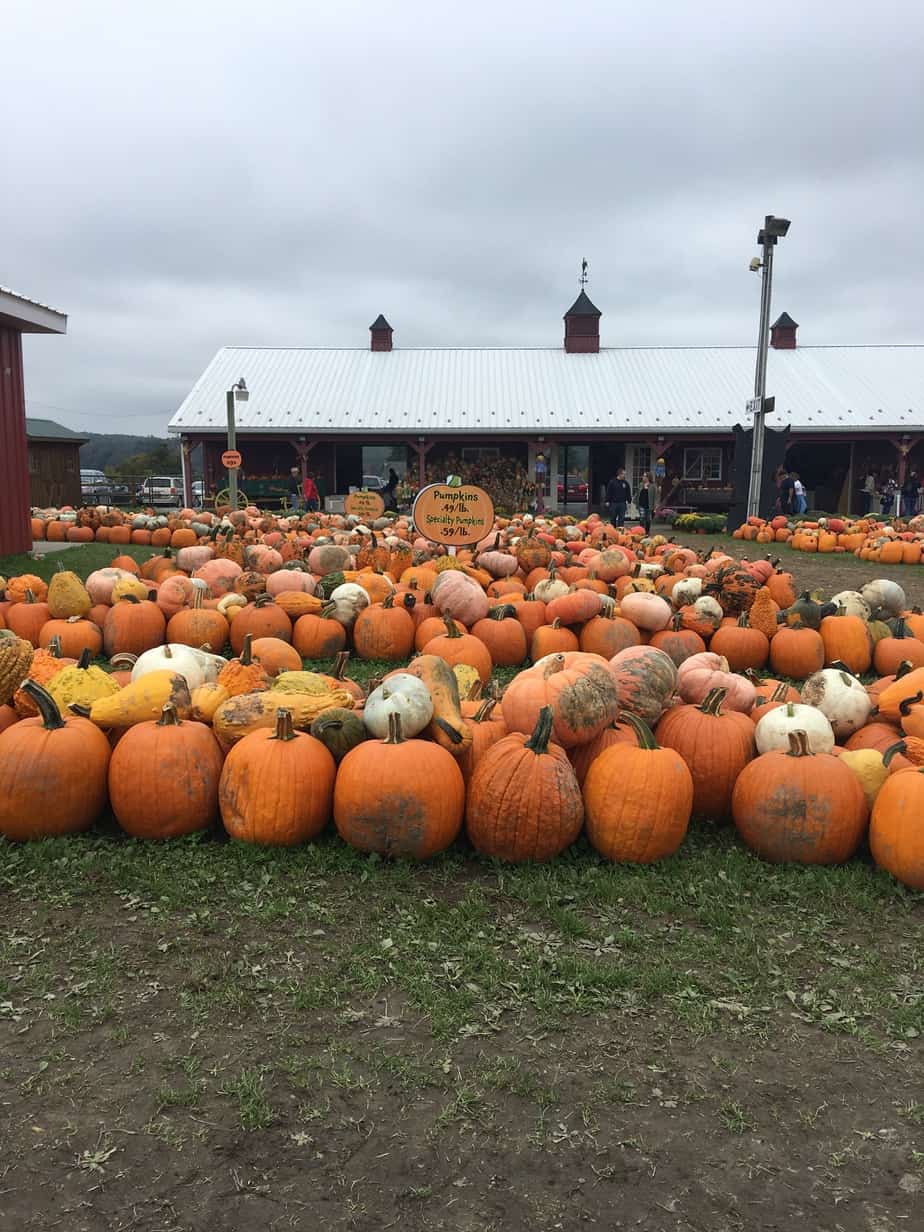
{"x":703,"y":465}
{"x":639,"y":463}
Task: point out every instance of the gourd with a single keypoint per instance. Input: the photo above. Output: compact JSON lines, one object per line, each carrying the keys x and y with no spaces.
{"x":174,"y":657}
{"x":239,"y":716}
{"x":300,"y":682}
{"x":339,"y":731}
{"x":401,"y":694}
{"x":15,"y":660}
{"x":140,"y":701}
{"x":67,"y":596}
{"x":773,"y":730}
{"x":348,"y":600}
{"x":81,"y":685}
{"x":447,"y":727}
{"x":205,"y":701}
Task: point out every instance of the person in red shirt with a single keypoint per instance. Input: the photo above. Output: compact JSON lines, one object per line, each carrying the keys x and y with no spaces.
{"x":311,"y":494}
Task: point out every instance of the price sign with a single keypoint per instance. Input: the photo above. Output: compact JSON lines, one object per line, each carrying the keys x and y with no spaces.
{"x":365,"y":505}
{"x":455,"y":516}
{"x":231,"y":460}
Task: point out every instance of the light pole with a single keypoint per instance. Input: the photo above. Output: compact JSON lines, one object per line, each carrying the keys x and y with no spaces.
{"x":237,"y":393}
{"x":773,"y":229}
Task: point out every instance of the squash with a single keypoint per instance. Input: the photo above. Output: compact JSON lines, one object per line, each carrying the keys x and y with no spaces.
{"x":339,"y":731}
{"x":67,"y":596}
{"x":300,"y":682}
{"x":447,"y":727}
{"x":401,"y":694}
{"x":206,"y":699}
{"x":249,"y":712}
{"x":140,"y":701}
{"x":15,"y":660}
{"x":81,"y":685}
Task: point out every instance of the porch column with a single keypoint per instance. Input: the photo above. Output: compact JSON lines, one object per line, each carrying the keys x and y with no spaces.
{"x":303,"y":449}
{"x":421,"y":447}
{"x":186,"y":448}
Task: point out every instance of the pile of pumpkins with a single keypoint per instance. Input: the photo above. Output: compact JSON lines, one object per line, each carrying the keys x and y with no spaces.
{"x":886,"y":543}
{"x":639,"y":697}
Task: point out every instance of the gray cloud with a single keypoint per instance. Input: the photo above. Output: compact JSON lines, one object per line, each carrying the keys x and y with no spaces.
{"x":201,"y":174}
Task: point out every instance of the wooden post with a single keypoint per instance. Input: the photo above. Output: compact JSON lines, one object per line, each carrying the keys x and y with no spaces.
{"x":421,"y":448}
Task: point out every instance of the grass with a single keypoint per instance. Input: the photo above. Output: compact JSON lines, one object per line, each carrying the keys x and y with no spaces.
{"x":81,"y":558}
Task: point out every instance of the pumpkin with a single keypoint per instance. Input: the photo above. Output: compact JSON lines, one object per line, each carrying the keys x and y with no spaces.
{"x":401,"y":694}
{"x":19,"y":587}
{"x":163,"y":777}
{"x":742,"y":645}
{"x":349,"y":599}
{"x":841,"y":698}
{"x":773,"y":730}
{"x":584,"y":755}
{"x":647,"y":611}
{"x":900,"y":646}
{"x":457,"y":595}
{"x":133,"y":626}
{"x":607,"y":634}
{"x":487,"y":726}
{"x":52,"y":772}
{"x":27,"y":618}
{"x":575,"y":608}
{"x":798,"y":806}
{"x":328,"y":558}
{"x":552,"y":639}
{"x":798,"y":653}
{"x":699,"y":674}
{"x":262,"y":618}
{"x":716,"y":746}
{"x":645,"y":678}
{"x":846,"y":640}
{"x":67,"y":596}
{"x":243,"y":674}
{"x":339,"y":731}
{"x":74,"y":635}
{"x":578,"y":687}
{"x":319,"y":637}
{"x":385,"y":630}
{"x":871,"y":771}
{"x":205,"y":700}
{"x":276,"y":785}
{"x":503,"y":636}
{"x":45,"y":666}
{"x":99,"y":584}
{"x":524,"y":802}
{"x":455,"y":647}
{"x":852,"y":603}
{"x":399,"y":797}
{"x":532,"y":553}
{"x":638,"y":800}
{"x":198,"y":625}
{"x":884,"y":598}
{"x":896,"y":833}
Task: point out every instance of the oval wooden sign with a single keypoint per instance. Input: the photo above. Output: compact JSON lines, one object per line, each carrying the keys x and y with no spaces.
{"x":455,"y":516}
{"x":365,"y":505}
{"x":231,"y":460}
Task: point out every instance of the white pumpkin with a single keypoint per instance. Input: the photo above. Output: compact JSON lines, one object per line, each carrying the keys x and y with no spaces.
{"x":772,"y":731}
{"x":211,"y":663}
{"x":885,"y":598}
{"x":182,"y":660}
{"x":404,"y":695}
{"x":348,"y":600}
{"x":550,"y":588}
{"x":841,"y":699}
{"x":686,"y":591}
{"x":853,"y":603}
{"x":650,"y":569}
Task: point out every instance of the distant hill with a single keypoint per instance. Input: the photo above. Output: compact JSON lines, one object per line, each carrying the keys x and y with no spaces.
{"x":105,"y":450}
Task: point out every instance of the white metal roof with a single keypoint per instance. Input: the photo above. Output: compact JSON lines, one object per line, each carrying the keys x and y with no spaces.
{"x":492,"y":390}
{"x":28,"y":316}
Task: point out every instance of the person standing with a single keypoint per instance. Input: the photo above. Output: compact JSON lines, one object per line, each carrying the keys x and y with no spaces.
{"x":910,"y":495}
{"x":800,"y":504}
{"x":618,"y":495}
{"x":295,"y":490}
{"x":311,"y":494}
{"x":390,"y":490}
{"x":643,"y":501}
{"x":869,"y":492}
{"x":787,"y":493}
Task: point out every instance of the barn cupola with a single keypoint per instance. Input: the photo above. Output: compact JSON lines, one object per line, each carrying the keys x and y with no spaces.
{"x":783,"y":333}
{"x":582,"y":326}
{"x":381,"y":333}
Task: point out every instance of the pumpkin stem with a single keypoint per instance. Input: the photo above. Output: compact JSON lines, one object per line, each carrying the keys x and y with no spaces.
{"x":123,"y":661}
{"x":394,"y":730}
{"x":284,"y":729}
{"x":798,"y":744}
{"x":246,"y":655}
{"x":197,"y":598}
{"x":779,"y":693}
{"x":168,"y":716}
{"x":45,"y":703}
{"x":903,"y":668}
{"x":483,"y":713}
{"x":474,"y":691}
{"x":840,"y":666}
{"x":168,"y":653}
{"x":129,"y":599}
{"x":893,"y":751}
{"x":904,"y":706}
{"x":84,"y":661}
{"x":30,"y":596}
{"x":642,"y":731}
{"x":743,"y":622}
{"x":451,"y":630}
{"x":389,"y":601}
{"x":542,"y":732}
{"x":340,"y":662}
{"x":712,"y":702}
{"x":790,"y":712}
{"x":82,"y":711}
{"x":502,"y":611}
{"x":899,"y":628}
{"x":54,"y":647}
{"x":408,"y":601}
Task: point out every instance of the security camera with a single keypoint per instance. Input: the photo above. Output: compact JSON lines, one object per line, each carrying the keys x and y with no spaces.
{"x":754,"y":265}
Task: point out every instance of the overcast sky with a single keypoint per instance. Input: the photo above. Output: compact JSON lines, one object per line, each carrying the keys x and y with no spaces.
{"x":180,"y":176}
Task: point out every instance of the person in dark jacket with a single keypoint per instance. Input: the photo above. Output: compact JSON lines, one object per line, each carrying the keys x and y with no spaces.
{"x":618,"y":495}
{"x":390,"y":489}
{"x":643,"y":501}
{"x":910,"y":495}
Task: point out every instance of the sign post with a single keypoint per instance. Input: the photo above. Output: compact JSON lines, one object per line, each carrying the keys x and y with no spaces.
{"x":458,"y":517}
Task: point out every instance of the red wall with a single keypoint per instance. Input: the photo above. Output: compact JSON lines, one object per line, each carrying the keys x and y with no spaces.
{"x":15,"y":527}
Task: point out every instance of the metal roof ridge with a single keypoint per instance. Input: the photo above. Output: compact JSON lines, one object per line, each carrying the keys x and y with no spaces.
{"x":648,"y":346}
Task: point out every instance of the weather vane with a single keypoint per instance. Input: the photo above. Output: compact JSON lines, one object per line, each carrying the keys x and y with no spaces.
{"x":583,"y":278}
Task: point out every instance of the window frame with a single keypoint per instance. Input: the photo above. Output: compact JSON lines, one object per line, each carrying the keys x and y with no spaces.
{"x":717,"y":454}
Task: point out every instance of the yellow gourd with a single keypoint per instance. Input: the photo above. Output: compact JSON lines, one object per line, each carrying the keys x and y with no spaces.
{"x":67,"y":596}
{"x":81,"y":685}
{"x":466,"y":677}
{"x":142,"y":700}
{"x":239,"y":716}
{"x":300,"y":682}
{"x":870,"y":769}
{"x":206,"y":699}
{"x":128,"y":586}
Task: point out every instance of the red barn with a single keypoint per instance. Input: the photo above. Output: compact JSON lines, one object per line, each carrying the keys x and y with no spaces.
{"x":18,"y":316}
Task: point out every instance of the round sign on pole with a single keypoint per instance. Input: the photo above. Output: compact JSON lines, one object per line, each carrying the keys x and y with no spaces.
{"x":365,"y":505}
{"x":455,"y":516}
{"x":231,"y":460}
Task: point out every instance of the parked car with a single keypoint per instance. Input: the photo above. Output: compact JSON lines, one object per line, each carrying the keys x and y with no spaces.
{"x":577,"y":490}
{"x":373,"y":483}
{"x":161,"y":490}
{"x":96,"y":488}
